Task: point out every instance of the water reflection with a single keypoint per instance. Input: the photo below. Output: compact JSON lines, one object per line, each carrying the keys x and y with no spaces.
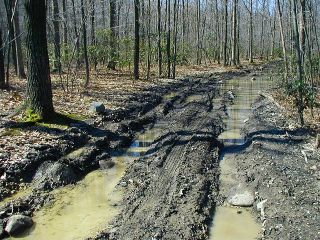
{"x":233,"y":223}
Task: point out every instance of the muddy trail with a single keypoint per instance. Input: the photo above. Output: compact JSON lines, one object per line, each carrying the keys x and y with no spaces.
{"x":158,"y":171}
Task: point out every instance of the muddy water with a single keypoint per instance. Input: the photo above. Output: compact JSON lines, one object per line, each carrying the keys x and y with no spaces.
{"x":82,"y":210}
{"x":231,"y":223}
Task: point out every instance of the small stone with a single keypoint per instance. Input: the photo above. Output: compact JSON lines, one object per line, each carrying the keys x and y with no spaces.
{"x":97,"y":107}
{"x":313,"y":168}
{"x":106,"y":164}
{"x":241,"y":198}
{"x":17,"y":224}
{"x":123,"y":184}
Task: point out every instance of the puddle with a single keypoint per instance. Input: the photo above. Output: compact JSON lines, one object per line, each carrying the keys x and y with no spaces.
{"x":81,"y":210}
{"x":235,"y":223}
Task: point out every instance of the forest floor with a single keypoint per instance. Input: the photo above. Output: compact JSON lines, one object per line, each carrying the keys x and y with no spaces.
{"x":173,"y":189}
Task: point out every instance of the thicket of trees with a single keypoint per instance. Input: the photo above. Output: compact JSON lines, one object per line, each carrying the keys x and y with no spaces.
{"x":157,"y":35}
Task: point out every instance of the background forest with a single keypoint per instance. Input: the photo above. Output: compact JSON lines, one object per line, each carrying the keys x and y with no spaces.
{"x":153,"y":37}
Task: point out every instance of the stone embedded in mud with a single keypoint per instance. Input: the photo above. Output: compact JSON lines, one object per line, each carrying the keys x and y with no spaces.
{"x":51,"y":175}
{"x":106,"y":164}
{"x":241,"y":198}
{"x":17,"y":224}
{"x":97,"y":107}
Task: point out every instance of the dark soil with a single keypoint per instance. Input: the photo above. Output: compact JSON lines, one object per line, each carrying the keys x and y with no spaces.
{"x":171,"y":192}
{"x":274,"y":166}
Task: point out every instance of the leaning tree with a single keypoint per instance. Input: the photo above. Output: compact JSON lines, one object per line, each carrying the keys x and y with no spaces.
{"x":39,"y":92}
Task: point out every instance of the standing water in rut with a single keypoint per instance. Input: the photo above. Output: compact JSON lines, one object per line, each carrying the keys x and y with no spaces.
{"x":230,"y":223}
{"x":82,"y":210}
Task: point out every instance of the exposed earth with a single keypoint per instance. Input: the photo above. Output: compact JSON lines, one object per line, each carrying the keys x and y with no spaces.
{"x":172,"y":191}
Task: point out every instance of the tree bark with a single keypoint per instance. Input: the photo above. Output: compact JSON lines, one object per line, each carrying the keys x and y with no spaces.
{"x":65,"y":27}
{"x":251,"y":33}
{"x":39,"y":93}
{"x":136,"y":38}
{"x":159,"y":39}
{"x":2,"y":71}
{"x":149,"y":40}
{"x":56,"y":28}
{"x":168,"y":39}
{"x":85,"y":48}
{"x":113,"y":45}
{"x":283,"y":41}
{"x":300,"y":72}
{"x":9,"y":9}
{"x":225,"y":60}
{"x":77,"y":35}
{"x":20,"y":62}
{"x":93,"y":22}
{"x":234,"y":32}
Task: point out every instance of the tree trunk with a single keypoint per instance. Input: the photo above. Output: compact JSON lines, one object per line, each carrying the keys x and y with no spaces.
{"x":159,"y":40}
{"x":2,"y":71}
{"x":198,"y":32}
{"x":77,"y":35}
{"x":251,"y":33}
{"x":20,"y":62}
{"x":225,"y":60}
{"x":113,"y":45}
{"x":136,"y":38}
{"x":149,"y":40}
{"x":10,"y":5}
{"x":85,"y":48}
{"x":56,"y":28}
{"x":283,"y":41}
{"x":168,"y":39}
{"x":39,"y":93}
{"x":93,"y":23}
{"x":175,"y":25}
{"x":65,"y":27}
{"x":234,"y":32}
{"x":300,"y":104}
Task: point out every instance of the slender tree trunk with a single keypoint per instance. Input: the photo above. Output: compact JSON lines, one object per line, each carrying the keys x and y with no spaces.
{"x":77,"y":35}
{"x":103,"y":12}
{"x":20,"y":62}
{"x":93,"y":22}
{"x":159,"y":40}
{"x":113,"y":20}
{"x":136,"y":38}
{"x":251,"y":33}
{"x":283,"y":41}
{"x":56,"y":27}
{"x":2,"y":71}
{"x":300,"y":104}
{"x":225,"y":60}
{"x":175,"y":25}
{"x":198,"y":32}
{"x":9,"y":9}
{"x":303,"y":30}
{"x":234,"y":32}
{"x":65,"y":27}
{"x":149,"y":40}
{"x":85,"y":48}
{"x":39,"y":93}
{"x":169,"y":38}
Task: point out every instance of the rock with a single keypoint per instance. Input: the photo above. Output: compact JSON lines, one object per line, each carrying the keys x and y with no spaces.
{"x":97,"y":107}
{"x":17,"y":224}
{"x":52,"y":175}
{"x":261,"y":207}
{"x":106,"y":164}
{"x":313,"y":168}
{"x":241,"y":198}
{"x":230,"y":95}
